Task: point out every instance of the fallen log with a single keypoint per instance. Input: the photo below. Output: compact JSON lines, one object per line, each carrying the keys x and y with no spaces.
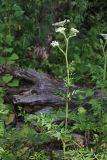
{"x":38,"y":89}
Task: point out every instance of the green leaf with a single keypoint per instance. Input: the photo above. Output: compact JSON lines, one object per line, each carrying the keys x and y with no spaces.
{"x":94,"y":102}
{"x":1,"y":38}
{"x":10,"y":118}
{"x":89,"y":93}
{"x":2,"y":27}
{"x":14,"y":83}
{"x":105,"y":118}
{"x":7,"y":78}
{"x":9,"y":39}
{"x":8,"y":50}
{"x":81,"y":97}
{"x":13,"y":57}
{"x":19,"y":13}
{"x":57,"y":135}
{"x":81,"y":110}
{"x":2,"y":60}
{"x":10,"y":62}
{"x":1,"y":128}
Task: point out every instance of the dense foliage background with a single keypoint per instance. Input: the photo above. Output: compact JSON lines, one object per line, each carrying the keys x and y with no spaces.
{"x":25,"y":26}
{"x":26,"y":32}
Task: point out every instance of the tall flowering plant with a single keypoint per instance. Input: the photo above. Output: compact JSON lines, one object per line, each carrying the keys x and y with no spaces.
{"x":104,"y":50}
{"x":59,"y":28}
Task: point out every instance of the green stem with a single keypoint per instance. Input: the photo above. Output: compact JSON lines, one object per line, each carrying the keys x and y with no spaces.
{"x":65,"y":53}
{"x":67,"y":89}
{"x":64,"y":147}
{"x":105,"y":66}
{"x":105,"y":59}
{"x":61,"y":50}
{"x":68,"y":79}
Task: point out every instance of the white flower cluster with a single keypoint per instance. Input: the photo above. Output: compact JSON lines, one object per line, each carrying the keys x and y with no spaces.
{"x":60,"y":29}
{"x":61,"y":23}
{"x":73,"y":32}
{"x":104,"y":36}
{"x":55,"y":43}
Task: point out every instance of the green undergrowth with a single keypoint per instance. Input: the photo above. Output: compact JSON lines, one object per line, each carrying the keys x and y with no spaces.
{"x":68,"y":133}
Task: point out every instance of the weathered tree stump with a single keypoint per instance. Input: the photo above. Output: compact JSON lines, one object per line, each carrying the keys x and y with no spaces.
{"x":38,"y":90}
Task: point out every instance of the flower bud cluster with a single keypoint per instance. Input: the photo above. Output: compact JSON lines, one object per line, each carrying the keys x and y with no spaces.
{"x":61,"y":29}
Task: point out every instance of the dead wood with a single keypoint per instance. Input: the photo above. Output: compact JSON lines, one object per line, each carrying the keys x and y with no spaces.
{"x":39,"y":89}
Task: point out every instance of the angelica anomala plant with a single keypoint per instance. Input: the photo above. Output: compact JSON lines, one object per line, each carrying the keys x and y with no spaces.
{"x":73,"y":32}
{"x":103,"y":46}
{"x":60,"y":29}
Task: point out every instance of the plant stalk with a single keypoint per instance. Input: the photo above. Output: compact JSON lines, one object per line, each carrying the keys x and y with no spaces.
{"x":64,"y":148}
{"x":67,"y":85}
{"x":105,"y":66}
{"x":105,"y":60}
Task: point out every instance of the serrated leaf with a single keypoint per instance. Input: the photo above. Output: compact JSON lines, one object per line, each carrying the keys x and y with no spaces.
{"x":7,"y":78}
{"x":57,"y":135}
